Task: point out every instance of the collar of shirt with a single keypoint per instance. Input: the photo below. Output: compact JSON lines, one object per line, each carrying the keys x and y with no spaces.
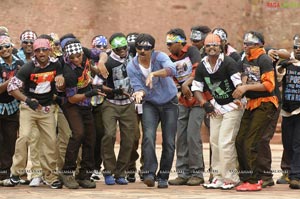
{"x":118,"y":58}
{"x":12,"y":66}
{"x":218,"y":63}
{"x":36,"y":63}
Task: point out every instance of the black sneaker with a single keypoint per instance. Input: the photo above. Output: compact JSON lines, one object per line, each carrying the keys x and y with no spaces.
{"x":131,"y":177}
{"x":162,"y":183}
{"x":87,"y":184}
{"x":69,"y":181}
{"x":15,"y":179}
{"x":56,"y":185}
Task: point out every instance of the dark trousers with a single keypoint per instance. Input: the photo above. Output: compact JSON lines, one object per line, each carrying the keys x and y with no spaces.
{"x":134,"y":153}
{"x":291,"y":143}
{"x":81,"y":122}
{"x":264,"y":159}
{"x":253,"y":126}
{"x":126,"y":117}
{"x":97,"y":113}
{"x":9,"y":126}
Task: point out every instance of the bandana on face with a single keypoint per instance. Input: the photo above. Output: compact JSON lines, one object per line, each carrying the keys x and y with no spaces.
{"x":131,"y":38}
{"x":4,"y":30}
{"x":212,"y":39}
{"x":100,"y":40}
{"x":41,"y":43}
{"x":197,"y":35}
{"x":145,"y":43}
{"x":72,"y":49}
{"x":250,"y":38}
{"x":297,"y":41}
{"x":29,"y":35}
{"x":175,"y":39}
{"x":221,"y":34}
{"x":118,"y":42}
{"x":5,"y":40}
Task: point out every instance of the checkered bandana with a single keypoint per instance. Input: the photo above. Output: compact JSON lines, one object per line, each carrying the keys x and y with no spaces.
{"x":131,"y":38}
{"x":29,"y":35}
{"x":72,"y":49}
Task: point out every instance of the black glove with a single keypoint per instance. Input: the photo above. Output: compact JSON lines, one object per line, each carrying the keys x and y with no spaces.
{"x":285,"y":63}
{"x":91,"y":93}
{"x":118,"y":91}
{"x":32,"y":103}
{"x":208,"y":107}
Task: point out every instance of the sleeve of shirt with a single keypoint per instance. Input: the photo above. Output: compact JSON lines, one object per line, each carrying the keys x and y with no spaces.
{"x":268,"y":80}
{"x":268,"y":74}
{"x":198,"y":82}
{"x":167,"y":63}
{"x":71,"y":81}
{"x":197,"y":86}
{"x":14,"y":84}
{"x":135,"y":77}
{"x":195,"y":57}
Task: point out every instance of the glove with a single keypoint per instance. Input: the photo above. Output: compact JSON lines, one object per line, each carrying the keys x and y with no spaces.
{"x":208,"y":107}
{"x":32,"y":103}
{"x":117,"y":91}
{"x":91,"y":93}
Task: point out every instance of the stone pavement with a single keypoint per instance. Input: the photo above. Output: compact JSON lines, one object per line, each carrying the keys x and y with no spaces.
{"x":139,"y":191}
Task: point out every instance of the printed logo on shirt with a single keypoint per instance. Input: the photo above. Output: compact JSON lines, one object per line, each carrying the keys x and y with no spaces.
{"x":43,"y":81}
{"x":183,"y":69}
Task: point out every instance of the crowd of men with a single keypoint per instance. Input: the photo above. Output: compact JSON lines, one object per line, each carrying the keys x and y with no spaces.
{"x":61,"y":103}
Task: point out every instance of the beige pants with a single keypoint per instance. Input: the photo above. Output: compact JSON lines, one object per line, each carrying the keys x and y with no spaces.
{"x":45,"y":123}
{"x":223,"y":131}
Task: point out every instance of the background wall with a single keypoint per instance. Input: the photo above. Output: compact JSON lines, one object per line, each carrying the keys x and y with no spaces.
{"x":277,"y":20}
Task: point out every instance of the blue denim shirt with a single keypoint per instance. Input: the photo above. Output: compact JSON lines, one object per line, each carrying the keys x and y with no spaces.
{"x":164,"y":88}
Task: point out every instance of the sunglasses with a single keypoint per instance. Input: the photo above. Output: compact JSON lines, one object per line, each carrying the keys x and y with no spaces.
{"x":5,"y":46}
{"x":27,"y":42}
{"x":146,"y":48}
{"x":41,"y":50}
{"x":249,"y":43}
{"x":170,"y":43}
{"x":57,"y":43}
{"x":211,"y":45}
{"x":296,"y":47}
{"x":120,"y":49}
{"x":101,"y":46}
{"x":195,"y":40}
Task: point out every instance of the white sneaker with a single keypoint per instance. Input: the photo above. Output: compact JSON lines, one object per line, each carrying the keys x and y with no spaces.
{"x":7,"y":183}
{"x":215,"y":184}
{"x":227,"y":186}
{"x":35,"y":182}
{"x":95,"y":176}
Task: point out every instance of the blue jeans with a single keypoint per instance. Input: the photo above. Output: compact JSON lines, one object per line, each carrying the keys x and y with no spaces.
{"x":167,"y":114}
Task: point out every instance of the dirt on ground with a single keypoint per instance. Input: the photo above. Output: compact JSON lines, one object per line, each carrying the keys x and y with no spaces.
{"x":275,"y":19}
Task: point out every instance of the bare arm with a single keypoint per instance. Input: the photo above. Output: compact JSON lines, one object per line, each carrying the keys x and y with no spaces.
{"x":101,"y":64}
